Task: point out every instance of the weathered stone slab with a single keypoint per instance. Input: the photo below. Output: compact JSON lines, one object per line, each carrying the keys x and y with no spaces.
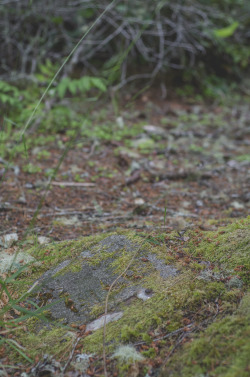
{"x":78,"y":287}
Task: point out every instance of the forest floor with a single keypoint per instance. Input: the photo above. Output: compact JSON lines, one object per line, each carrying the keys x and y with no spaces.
{"x":153,"y":164}
{"x":147,"y":165}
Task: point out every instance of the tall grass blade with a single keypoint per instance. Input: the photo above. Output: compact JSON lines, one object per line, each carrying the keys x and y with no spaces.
{"x":65,"y":61}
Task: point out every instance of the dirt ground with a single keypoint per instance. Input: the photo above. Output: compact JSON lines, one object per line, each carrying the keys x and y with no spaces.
{"x":190,"y":168}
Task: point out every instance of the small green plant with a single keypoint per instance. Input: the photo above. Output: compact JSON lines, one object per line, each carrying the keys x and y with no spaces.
{"x":243,"y":157}
{"x":151,"y":353}
{"x":196,"y":148}
{"x":227,"y":31}
{"x":9,"y":96}
{"x":43,"y":154}
{"x":78,"y":178}
{"x":46,"y":71}
{"x":82,"y":85}
{"x":31,"y":168}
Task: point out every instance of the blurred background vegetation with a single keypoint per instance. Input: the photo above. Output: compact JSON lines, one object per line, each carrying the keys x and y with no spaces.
{"x":196,"y":48}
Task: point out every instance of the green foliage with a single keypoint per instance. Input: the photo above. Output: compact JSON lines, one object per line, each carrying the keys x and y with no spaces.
{"x":82,"y":85}
{"x":226,"y":31}
{"x":214,"y":35}
{"x":46,"y":71}
{"x":110,"y":131}
{"x":243,"y":157}
{"x":61,"y":118}
{"x":199,"y":85}
{"x":31,"y":168}
{"x":9,"y":96}
{"x":43,"y":154}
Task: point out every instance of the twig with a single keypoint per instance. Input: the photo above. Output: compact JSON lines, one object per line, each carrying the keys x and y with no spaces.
{"x":73,"y":184}
{"x":71,"y":354}
{"x":92,"y":149}
{"x":106,"y":304}
{"x":182,"y":336}
{"x":167,"y":335}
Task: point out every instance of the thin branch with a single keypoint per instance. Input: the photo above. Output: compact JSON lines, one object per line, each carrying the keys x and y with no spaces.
{"x":106,"y":302}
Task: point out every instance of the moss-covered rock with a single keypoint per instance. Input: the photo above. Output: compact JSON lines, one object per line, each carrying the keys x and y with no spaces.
{"x":181,"y":301}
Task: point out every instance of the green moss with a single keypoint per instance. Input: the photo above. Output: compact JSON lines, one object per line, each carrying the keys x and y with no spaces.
{"x":151,"y":353}
{"x":146,"y":338}
{"x":37,"y":342}
{"x":169,"y":304}
{"x":197,"y":266}
{"x":228,"y":248}
{"x":73,"y":267}
{"x":223,"y":349}
{"x":97,"y":310}
{"x":128,"y":333}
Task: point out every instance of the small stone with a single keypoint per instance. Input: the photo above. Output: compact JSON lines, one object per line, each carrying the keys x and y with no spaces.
{"x":145,"y":294}
{"x":233,"y":164}
{"x":29,"y":185}
{"x":22,"y":200}
{"x":139,"y":201}
{"x":9,"y":239}
{"x":199,"y":203}
{"x":143,"y":143}
{"x":197,"y":109}
{"x":43,"y":240}
{"x":237,"y":205}
{"x":186,"y":204}
{"x":68,"y":221}
{"x":134,"y":166}
{"x":154,"y":130}
{"x":120,"y":122}
{"x":74,"y":169}
{"x":98,"y":323}
{"x":160,"y":164}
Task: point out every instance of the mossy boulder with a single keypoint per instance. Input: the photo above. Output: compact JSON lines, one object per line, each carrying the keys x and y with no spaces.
{"x":181,"y":301}
{"x":76,"y":288}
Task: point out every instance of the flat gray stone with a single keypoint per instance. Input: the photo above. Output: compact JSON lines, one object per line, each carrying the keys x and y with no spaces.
{"x":77,"y":287}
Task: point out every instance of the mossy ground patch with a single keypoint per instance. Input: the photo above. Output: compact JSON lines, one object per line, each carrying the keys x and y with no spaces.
{"x":185,"y":303}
